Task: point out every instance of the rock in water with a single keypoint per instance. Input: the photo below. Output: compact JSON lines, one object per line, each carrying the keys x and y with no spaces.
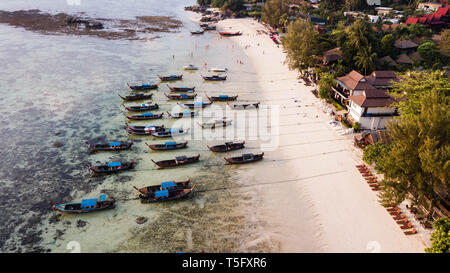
{"x":141,"y":220}
{"x":57,"y":144}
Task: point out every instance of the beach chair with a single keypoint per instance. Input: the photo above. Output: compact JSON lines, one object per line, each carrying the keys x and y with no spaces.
{"x":402,"y":222}
{"x":406,"y":226}
{"x":392,"y":208}
{"x":395,"y":213}
{"x":363,"y":165}
{"x":410,"y":232}
{"x":400,"y":217}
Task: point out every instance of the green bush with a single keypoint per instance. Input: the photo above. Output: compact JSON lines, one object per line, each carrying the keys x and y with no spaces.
{"x":356,"y":126}
{"x":440,"y":237}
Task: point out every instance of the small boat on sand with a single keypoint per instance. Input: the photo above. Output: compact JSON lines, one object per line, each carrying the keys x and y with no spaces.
{"x":214,"y":78}
{"x":86,"y":205}
{"x":190,"y":67}
{"x":181,"y":96}
{"x":169,"y":185}
{"x":197,"y":104}
{"x":186,"y":113}
{"x":244,"y":105}
{"x":197,"y":31}
{"x":228,"y":146}
{"x":178,"y":161}
{"x":110,"y":146}
{"x":112,"y":167}
{"x":207,"y":27}
{"x":145,"y":116}
{"x":171,"y":132}
{"x":215,"y":69}
{"x":171,"y":145}
{"x":228,"y":34}
{"x":166,"y":195}
{"x":171,"y":77}
{"x":217,"y":123}
{"x":144,"y":86}
{"x":135,"y":97}
{"x":143,"y":107}
{"x":222,"y":98}
{"x":181,"y":88}
{"x":245,"y":158}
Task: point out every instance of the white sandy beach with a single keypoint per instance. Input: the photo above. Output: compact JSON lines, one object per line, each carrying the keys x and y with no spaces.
{"x":322,"y":204}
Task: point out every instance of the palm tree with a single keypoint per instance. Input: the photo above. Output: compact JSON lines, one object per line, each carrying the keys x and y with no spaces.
{"x":365,"y":59}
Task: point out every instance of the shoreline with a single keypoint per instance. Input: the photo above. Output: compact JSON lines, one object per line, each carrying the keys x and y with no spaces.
{"x":328,"y":207}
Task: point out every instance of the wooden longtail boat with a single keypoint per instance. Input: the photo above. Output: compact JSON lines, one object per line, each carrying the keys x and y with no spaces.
{"x":245,"y":158}
{"x":181,"y":88}
{"x":199,"y":104}
{"x":110,"y":146}
{"x":186,"y":113}
{"x":112,"y":167}
{"x":214,"y":78}
{"x":145,"y":116}
{"x":143,"y":107}
{"x":215,"y":69}
{"x":244,"y":105}
{"x":228,"y":146}
{"x":135,"y":97}
{"x":222,"y":98}
{"x":228,"y":34}
{"x":145,"y":86}
{"x":86,"y":205}
{"x":208,"y":27}
{"x":197,"y":32}
{"x":178,"y":161}
{"x":169,"y":185}
{"x":217,"y":123}
{"x":148,"y":132}
{"x":166,"y":195}
{"x":171,"y":133}
{"x":172,"y":145}
{"x":146,"y":128}
{"x":190,"y":67}
{"x":181,"y":96}
{"x":171,"y":77}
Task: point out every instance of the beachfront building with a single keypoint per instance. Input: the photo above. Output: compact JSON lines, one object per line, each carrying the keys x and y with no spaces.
{"x":383,"y":11}
{"x":382,"y":79}
{"x":438,"y":19}
{"x":350,"y":85}
{"x":406,"y":46}
{"x":429,"y":6}
{"x":371,"y":108}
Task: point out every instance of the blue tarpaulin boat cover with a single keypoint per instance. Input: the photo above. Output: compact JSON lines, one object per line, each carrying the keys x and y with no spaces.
{"x":114,"y":164}
{"x":169,"y":184}
{"x":147,"y":114}
{"x":198,"y":103}
{"x":173,"y":130}
{"x":143,"y":105}
{"x":163,"y":193}
{"x":88,"y":203}
{"x":186,"y":112}
{"x":223,"y":96}
{"x":172,"y":76}
{"x":171,"y":143}
{"x":102,"y":197}
{"x":114,"y":144}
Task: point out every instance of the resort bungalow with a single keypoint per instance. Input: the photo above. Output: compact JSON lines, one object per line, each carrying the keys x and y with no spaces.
{"x":387,"y":60}
{"x":351,"y":84}
{"x":429,"y":6}
{"x":383,"y":10}
{"x":371,"y":109}
{"x":382,"y":79}
{"x":406,"y":46}
{"x":332,"y":55}
{"x":439,"y":19}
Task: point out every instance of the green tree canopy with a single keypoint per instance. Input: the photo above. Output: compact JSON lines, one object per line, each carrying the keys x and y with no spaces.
{"x":273,"y":10}
{"x":440,"y":237}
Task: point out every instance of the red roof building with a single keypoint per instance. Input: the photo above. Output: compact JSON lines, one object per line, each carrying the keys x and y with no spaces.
{"x":440,"y":18}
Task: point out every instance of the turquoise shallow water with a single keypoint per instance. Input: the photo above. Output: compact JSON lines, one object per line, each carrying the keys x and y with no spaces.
{"x":64,"y":89}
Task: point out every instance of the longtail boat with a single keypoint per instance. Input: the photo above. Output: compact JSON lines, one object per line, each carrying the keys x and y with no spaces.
{"x":171,"y":133}
{"x":181,"y":96}
{"x":135,"y":97}
{"x":245,"y":158}
{"x":190,"y":67}
{"x":214,"y":78}
{"x":244,"y":105}
{"x":171,"y":77}
{"x":228,"y":34}
{"x":217,"y":123}
{"x":145,"y":132}
{"x":197,"y":32}
{"x":144,"y":86}
{"x":228,"y":146}
{"x":166,"y":195}
{"x":186,"y":113}
{"x":143,"y":107}
{"x":171,"y":145}
{"x":178,"y":161}
{"x":208,"y":27}
{"x":181,"y":88}
{"x":151,"y":127}
{"x":145,"y":116}
{"x":112,"y":167}
{"x":222,"y":98}
{"x":110,"y":146}
{"x":198,"y":104}
{"x":86,"y":205}
{"x":215,"y":69}
{"x":169,"y":185}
